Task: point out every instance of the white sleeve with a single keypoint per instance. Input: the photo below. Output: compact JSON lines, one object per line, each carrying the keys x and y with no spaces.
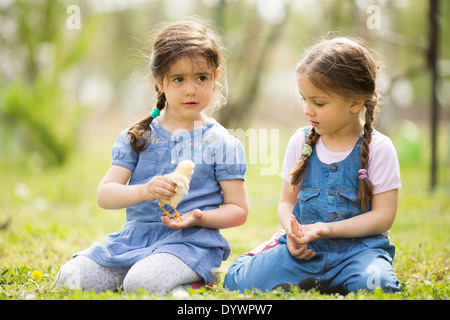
{"x":384,"y":168}
{"x":293,"y":153}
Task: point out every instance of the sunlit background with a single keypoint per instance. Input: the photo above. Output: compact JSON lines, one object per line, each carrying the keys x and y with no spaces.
{"x":73,"y":76}
{"x":61,"y":68}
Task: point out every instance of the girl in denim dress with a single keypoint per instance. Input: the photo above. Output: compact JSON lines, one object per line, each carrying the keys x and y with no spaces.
{"x":340,"y":189}
{"x":153,"y":252}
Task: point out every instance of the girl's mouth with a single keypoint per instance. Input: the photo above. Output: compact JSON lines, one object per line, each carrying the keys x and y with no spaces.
{"x":190,"y":104}
{"x":314,"y":124}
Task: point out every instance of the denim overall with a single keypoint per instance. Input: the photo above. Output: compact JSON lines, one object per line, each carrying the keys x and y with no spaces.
{"x":329,"y":193}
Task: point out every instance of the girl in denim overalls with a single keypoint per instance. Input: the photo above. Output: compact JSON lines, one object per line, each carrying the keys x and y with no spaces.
{"x":340,"y":190}
{"x":152,"y":252}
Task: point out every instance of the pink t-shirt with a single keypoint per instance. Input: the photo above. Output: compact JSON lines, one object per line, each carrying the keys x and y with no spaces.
{"x":383,"y":170}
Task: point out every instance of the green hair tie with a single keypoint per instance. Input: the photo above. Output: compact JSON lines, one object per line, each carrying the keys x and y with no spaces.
{"x":155,"y":113}
{"x":307,"y":150}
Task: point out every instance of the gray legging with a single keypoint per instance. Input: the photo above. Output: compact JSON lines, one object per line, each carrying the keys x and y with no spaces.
{"x":157,"y":273}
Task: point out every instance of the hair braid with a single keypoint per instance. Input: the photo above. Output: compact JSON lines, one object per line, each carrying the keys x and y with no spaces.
{"x":137,"y":131}
{"x":298,"y":172}
{"x":365,"y":190}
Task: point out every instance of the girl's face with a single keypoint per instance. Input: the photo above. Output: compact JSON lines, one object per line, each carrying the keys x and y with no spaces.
{"x":330,"y":115}
{"x":189,"y":87}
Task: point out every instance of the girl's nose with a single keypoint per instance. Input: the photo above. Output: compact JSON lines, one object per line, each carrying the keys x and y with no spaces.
{"x":190,"y":88}
{"x":307,"y":110}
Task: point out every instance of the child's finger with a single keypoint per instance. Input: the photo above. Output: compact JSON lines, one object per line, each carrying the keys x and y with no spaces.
{"x":297,"y":240}
{"x":308,"y":255}
{"x":165,"y":220}
{"x":303,"y":253}
{"x":171,"y":223}
{"x":296,"y":227}
{"x":165,"y":183}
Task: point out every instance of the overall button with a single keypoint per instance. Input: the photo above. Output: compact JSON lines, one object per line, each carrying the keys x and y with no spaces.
{"x":331,"y":192}
{"x":334,"y":168}
{"x":333,"y":215}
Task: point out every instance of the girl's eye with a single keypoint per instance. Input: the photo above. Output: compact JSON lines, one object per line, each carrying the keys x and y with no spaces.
{"x":178,"y":80}
{"x":316,"y":103}
{"x":202,"y":78}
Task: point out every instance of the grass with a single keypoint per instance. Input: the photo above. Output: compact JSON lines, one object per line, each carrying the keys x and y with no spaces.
{"x":49,"y":213}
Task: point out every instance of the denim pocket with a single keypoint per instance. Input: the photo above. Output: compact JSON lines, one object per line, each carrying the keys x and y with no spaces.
{"x":347,"y":206}
{"x":379,"y":242}
{"x":308,"y":199}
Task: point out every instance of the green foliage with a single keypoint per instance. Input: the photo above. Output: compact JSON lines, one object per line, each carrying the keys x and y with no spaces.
{"x":48,"y":215}
{"x":49,"y":212}
{"x":37,"y":118}
{"x":38,"y":114}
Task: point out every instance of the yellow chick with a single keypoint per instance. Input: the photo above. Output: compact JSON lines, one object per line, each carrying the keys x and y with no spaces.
{"x":181,"y":177}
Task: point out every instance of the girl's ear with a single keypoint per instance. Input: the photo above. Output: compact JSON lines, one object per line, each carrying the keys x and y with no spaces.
{"x":357,"y":105}
{"x":160,"y":86}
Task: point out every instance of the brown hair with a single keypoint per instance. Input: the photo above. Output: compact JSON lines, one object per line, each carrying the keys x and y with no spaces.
{"x":345,"y":67}
{"x":174,"y":41}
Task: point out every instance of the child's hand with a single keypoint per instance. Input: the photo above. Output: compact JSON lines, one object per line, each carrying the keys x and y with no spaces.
{"x":159,"y":187}
{"x":296,"y":246}
{"x":190,"y":219}
{"x":315,"y":231}
{"x":303,"y":234}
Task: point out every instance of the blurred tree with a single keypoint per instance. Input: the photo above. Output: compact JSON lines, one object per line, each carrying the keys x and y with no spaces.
{"x":38,"y":54}
{"x":433,"y":56}
{"x":48,"y":70}
{"x":249,"y":39}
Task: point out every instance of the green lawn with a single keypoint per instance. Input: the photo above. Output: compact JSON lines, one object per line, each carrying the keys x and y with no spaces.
{"x":49,"y":213}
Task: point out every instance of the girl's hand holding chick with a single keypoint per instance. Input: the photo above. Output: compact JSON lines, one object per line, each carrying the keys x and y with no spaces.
{"x":159,"y":187}
{"x":190,"y":219}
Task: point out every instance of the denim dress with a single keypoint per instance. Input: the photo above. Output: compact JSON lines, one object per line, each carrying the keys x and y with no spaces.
{"x":329,"y":193}
{"x":217,"y":156}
